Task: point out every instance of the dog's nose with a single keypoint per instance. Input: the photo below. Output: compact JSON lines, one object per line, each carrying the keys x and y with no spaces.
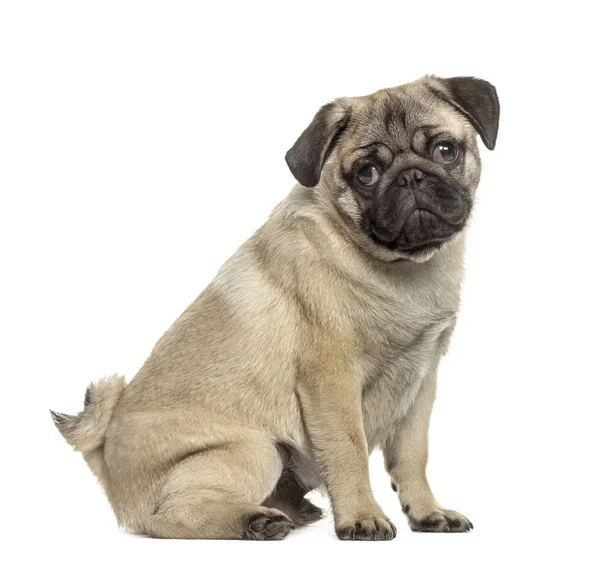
{"x":410,"y":178}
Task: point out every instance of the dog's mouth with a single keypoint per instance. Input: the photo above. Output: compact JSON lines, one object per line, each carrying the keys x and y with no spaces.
{"x":422,"y":230}
{"x":419,"y":216}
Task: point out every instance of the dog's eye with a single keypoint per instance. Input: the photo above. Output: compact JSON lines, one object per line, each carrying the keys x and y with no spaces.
{"x":445,"y":152}
{"x":368,"y":175}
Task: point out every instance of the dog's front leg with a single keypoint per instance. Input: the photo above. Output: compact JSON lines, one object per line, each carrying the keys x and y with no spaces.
{"x":330,"y":396}
{"x":405,"y":453}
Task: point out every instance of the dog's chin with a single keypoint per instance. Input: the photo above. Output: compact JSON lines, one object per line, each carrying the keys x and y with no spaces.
{"x":416,"y":254}
{"x":416,"y":249}
{"x":384,"y":252}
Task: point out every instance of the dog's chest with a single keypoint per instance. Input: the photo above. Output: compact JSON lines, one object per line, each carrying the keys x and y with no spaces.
{"x":402,"y":341}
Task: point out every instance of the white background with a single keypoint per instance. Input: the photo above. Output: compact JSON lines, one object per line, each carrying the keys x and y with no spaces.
{"x":142,"y":142}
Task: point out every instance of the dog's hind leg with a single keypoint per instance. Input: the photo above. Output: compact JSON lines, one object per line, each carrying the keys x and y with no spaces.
{"x":217,"y":494}
{"x":289,"y":497}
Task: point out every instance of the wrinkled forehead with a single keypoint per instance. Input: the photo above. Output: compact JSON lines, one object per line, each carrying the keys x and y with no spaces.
{"x":395,"y":115}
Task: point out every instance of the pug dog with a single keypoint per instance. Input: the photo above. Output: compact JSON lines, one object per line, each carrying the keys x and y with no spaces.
{"x":317,"y":341}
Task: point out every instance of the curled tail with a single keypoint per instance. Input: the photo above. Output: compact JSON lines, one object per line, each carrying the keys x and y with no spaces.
{"x":86,"y":430}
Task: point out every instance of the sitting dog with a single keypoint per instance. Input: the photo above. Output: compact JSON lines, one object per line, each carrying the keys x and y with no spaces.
{"x":316,"y":342}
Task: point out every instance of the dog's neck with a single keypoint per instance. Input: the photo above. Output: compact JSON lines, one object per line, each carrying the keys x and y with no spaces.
{"x":341,"y":240}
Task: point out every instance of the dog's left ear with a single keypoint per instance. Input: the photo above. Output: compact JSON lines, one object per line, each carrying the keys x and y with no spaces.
{"x":477,"y":100}
{"x":308,"y":155}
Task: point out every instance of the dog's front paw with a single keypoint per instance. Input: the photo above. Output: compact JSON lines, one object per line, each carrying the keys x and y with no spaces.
{"x":373,"y":528}
{"x":440,"y":520}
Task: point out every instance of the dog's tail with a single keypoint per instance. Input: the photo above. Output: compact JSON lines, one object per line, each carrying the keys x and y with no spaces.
{"x":86,"y":431}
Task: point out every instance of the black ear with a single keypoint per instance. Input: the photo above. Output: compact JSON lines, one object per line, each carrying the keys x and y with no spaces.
{"x":477,"y":100}
{"x":306,"y":158}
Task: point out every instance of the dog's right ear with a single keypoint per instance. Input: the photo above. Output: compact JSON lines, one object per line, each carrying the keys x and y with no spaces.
{"x":308,"y":155}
